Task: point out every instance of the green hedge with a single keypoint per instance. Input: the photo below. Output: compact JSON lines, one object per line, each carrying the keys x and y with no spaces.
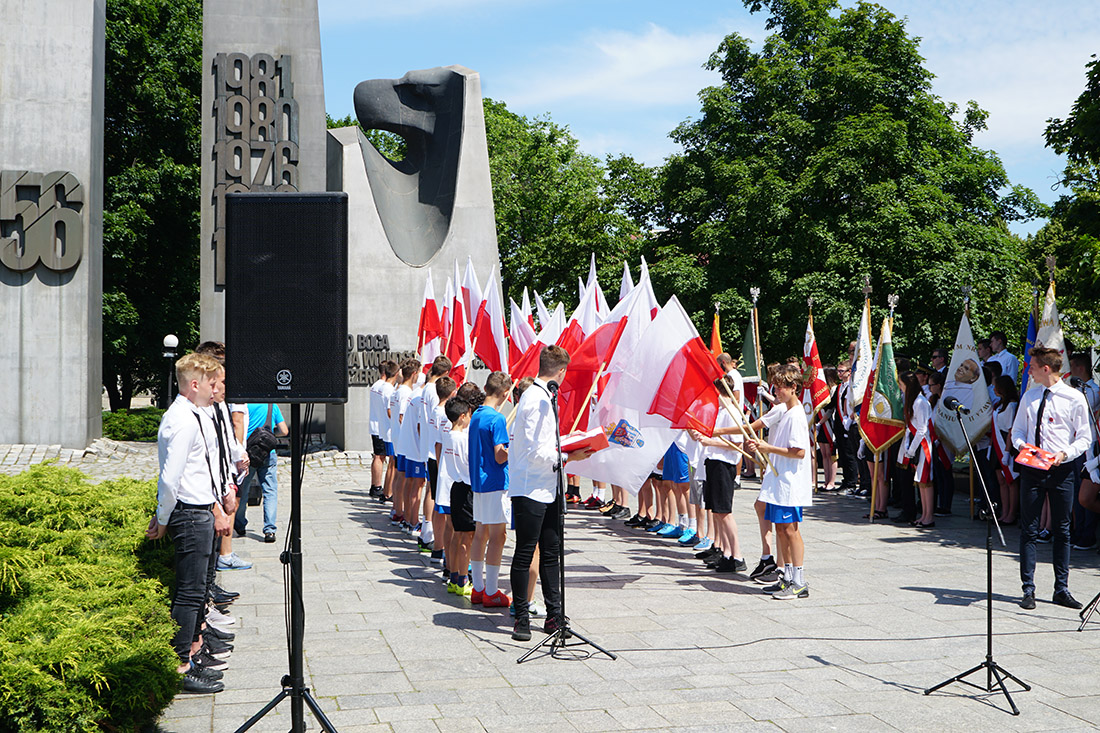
{"x":140,"y":424}
{"x":84,"y":625}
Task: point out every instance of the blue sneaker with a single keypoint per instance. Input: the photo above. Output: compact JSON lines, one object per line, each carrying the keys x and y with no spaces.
{"x":659,"y":527}
{"x":687,"y":538}
{"x":669,"y":531}
{"x":704,"y":544}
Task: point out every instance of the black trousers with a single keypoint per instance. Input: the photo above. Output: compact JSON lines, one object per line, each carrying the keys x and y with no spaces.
{"x":1035,"y":486}
{"x":192,"y":533}
{"x":536,"y":524}
{"x":847,"y":444}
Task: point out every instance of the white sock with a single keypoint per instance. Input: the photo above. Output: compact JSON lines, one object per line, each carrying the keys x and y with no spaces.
{"x":693,"y":524}
{"x":682,"y":520}
{"x":477,"y":574}
{"x":598,"y":493}
{"x":492,"y":579}
{"x":765,"y":557}
{"x":798,"y":576}
{"x":788,"y":572}
{"x":427,"y":533}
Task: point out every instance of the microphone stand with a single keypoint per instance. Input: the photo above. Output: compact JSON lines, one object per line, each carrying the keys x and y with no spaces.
{"x":557,"y":639}
{"x":993,"y":670}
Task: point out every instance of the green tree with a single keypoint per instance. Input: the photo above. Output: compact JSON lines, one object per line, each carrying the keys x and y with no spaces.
{"x":151,"y":197}
{"x":1072,"y":235}
{"x":824,"y":157}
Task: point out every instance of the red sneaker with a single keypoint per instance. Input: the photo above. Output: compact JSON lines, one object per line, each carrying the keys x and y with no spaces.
{"x":499,"y":599}
{"x":477,"y":596}
{"x":572,"y":499}
{"x":592,"y":503}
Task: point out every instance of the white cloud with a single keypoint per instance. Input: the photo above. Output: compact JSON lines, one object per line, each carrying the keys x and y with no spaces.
{"x":339,"y":12}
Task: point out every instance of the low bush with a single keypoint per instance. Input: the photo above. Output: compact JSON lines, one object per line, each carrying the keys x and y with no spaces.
{"x":140,"y":424}
{"x":85,"y":630}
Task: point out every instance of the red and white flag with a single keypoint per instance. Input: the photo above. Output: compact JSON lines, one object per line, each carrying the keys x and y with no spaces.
{"x":541,"y":311}
{"x":594,"y":285}
{"x":528,"y":364}
{"x":458,"y":337}
{"x":429,"y":333}
{"x":526,"y":309}
{"x":586,"y":319}
{"x":522,"y":334}
{"x":490,"y":335}
{"x":816,"y":393}
{"x":627,"y":284}
{"x":445,"y":308}
{"x":471,"y":291}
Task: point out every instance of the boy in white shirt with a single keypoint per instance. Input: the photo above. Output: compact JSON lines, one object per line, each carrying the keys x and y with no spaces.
{"x":456,"y":467}
{"x":399,"y":403}
{"x":439,"y":495}
{"x":380,"y":392}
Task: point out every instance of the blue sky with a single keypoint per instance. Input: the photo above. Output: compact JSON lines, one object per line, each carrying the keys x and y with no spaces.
{"x":621,"y":75}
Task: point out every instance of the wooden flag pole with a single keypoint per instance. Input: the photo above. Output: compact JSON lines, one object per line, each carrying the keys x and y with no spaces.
{"x":761,"y":459}
{"x":591,"y":391}
{"x":737,"y":448}
{"x":971,"y":472}
{"x":874,"y":489}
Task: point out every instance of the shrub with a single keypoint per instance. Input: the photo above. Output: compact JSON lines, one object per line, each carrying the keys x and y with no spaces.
{"x":140,"y":424}
{"x":85,"y":631}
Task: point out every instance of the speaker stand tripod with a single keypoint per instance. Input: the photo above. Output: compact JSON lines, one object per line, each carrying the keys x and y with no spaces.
{"x":992,"y":669}
{"x":294,"y":685}
{"x":1088,"y":610}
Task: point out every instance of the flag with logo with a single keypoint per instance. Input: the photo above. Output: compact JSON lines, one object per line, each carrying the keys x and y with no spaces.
{"x":881,"y":419}
{"x":1050,"y":330}
{"x":863,"y":359}
{"x":816,"y":393}
{"x":965,"y":381}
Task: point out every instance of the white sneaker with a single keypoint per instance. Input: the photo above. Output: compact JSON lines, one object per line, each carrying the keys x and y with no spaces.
{"x":232,"y":562}
{"x":217,"y":618}
{"x":534,"y":610}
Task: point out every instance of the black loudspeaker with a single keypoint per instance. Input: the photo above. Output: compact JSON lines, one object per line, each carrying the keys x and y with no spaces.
{"x":286,"y":297}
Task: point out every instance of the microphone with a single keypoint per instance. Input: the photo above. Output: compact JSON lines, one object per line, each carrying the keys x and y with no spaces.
{"x":1077,"y":383}
{"x":552,"y":386}
{"x":952,"y":403}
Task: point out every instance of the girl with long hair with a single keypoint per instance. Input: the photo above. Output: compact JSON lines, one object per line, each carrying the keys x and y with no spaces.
{"x":915,"y":453}
{"x":1008,"y":398}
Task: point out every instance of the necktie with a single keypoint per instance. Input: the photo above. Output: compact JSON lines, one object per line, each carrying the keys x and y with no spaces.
{"x":1039,"y":415}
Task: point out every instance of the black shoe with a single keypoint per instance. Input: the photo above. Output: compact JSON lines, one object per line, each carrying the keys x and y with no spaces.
{"x":211,"y":649}
{"x":222,"y":599}
{"x":1044,"y":537}
{"x":763,"y":568}
{"x":522,"y":631}
{"x":635,"y":520}
{"x":218,"y":590}
{"x":203,"y":659}
{"x":206,"y":674}
{"x":217,"y":633}
{"x":216,"y":645}
{"x":195,"y":685}
{"x":942,"y":513}
{"x":553,"y":623}
{"x":1063,"y":598}
{"x":238,"y":532}
{"x":269,"y":536}
{"x":731,"y":565}
{"x":903,"y":519}
{"x":255,"y":501}
{"x":707,"y":553}
{"x":649,"y":524}
{"x":375,"y":491}
{"x":1028,"y":602}
{"x":620,"y":513}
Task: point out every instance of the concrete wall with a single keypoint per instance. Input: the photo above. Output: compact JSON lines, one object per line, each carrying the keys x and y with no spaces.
{"x":385,"y":293}
{"x":250,"y":27}
{"x":51,"y":119}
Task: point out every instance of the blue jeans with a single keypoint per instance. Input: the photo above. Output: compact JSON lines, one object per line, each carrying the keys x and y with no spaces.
{"x":269,"y":484}
{"x":1035,"y":486}
{"x":192,"y":533}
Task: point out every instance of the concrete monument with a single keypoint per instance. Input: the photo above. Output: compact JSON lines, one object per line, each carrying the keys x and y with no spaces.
{"x":51,"y":221}
{"x":431,"y":208}
{"x":263,"y":123}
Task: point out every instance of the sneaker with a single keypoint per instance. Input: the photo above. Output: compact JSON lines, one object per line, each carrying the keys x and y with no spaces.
{"x":791,"y":591}
{"x":499,"y":599}
{"x":397,"y":520}
{"x":620,"y":513}
{"x":655,"y":525}
{"x":534,"y":610}
{"x":218,"y":590}
{"x":571,"y":499}
{"x":941,"y":513}
{"x":422,"y":546}
{"x":687,"y":538}
{"x":776,"y":586}
{"x":215,"y":645}
{"x":219,"y":652}
{"x":1081,"y":546}
{"x":195,"y":685}
{"x":703,"y":545}
{"x":232,"y":562}
{"x":670,"y":530}
{"x":476,"y":596}
{"x":635,"y":521}
{"x":203,"y":659}
{"x":269,"y":537}
{"x":768,"y":578}
{"x":731,"y":565}
{"x":763,"y":568}
{"x":375,"y":491}
{"x":607,"y":507}
{"x":220,"y":618}
{"x":205,"y":674}
{"x":553,"y":623}
{"x":220,"y":599}
{"x":1044,"y":537}
{"x":521,"y":631}
{"x":219,"y":634}
{"x":592,"y":503}
{"x":437,"y":557}
{"x":708,"y":553}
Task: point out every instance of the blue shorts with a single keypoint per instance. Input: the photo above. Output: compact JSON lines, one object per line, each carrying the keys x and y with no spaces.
{"x":416,"y":469}
{"x":440,"y":509}
{"x":675,"y":466}
{"x":400,"y":459}
{"x":777,"y":514}
{"x":389,"y":449}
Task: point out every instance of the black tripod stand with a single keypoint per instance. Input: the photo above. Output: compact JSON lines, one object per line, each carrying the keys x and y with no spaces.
{"x":992,"y":669}
{"x":1088,"y":610}
{"x":556,"y":640}
{"x":294,"y":684}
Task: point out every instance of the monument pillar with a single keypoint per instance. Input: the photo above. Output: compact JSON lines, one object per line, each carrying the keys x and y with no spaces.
{"x":263,"y":122}
{"x":51,"y":221}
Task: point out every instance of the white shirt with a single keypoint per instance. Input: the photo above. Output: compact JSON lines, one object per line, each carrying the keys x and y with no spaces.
{"x":429,"y":427}
{"x":1010,"y":365}
{"x":1065,"y":420}
{"x":187,"y":456}
{"x":377,"y":407}
{"x":456,"y":455}
{"x":910,"y":441}
{"x":533,"y":453}
{"x":385,"y":421}
{"x":725,"y":454}
{"x":791,"y":483}
{"x":408,"y":442}
{"x":844,"y":400}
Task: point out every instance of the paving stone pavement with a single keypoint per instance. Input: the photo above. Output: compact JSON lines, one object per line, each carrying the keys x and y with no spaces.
{"x":892,"y":611}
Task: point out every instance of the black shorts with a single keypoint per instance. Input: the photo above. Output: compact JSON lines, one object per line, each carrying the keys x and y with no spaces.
{"x":656,"y":477}
{"x":462,"y":507}
{"x":719,"y":486}
{"x":433,"y":475}
{"x":379,"y":445}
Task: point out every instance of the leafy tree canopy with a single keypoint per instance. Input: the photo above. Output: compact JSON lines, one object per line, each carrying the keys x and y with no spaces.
{"x":824,"y":157}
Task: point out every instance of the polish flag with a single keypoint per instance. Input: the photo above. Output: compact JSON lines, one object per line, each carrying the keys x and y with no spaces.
{"x":471,"y":291}
{"x":528,"y":364}
{"x":542,"y":311}
{"x":526,"y":306}
{"x":458,"y":339}
{"x":684,"y":372}
{"x":593,"y":284}
{"x":627,"y":284}
{"x":585,"y":320}
{"x":522,"y":333}
{"x":490,"y":335}
{"x":429,"y":333}
{"x":586,"y":361}
{"x":816,"y":393}
{"x":445,"y":309}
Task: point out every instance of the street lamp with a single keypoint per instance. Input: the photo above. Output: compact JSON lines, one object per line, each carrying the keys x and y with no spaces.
{"x":170,"y":344}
